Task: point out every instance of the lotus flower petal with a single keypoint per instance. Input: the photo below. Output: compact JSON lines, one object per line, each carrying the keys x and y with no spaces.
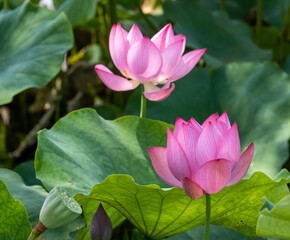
{"x":177,"y":161}
{"x":164,"y":37}
{"x":144,"y":60}
{"x":134,"y":35}
{"x":192,"y":189}
{"x":171,"y":56}
{"x":223,"y":123}
{"x":229,"y":147}
{"x":187,"y":139}
{"x":180,"y":37}
{"x":154,"y":93}
{"x":118,"y":45}
{"x":113,"y":81}
{"x":195,"y":125}
{"x":186,"y":64}
{"x":178,"y":123}
{"x":242,"y":166}
{"x":213,"y":175}
{"x":207,"y":144}
{"x":212,"y":118}
{"x":159,"y":161}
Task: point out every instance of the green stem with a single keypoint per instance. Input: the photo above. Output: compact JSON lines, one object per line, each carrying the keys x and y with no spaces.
{"x":259,"y":20}
{"x":207,"y":217}
{"x":143,"y":104}
{"x":37,"y":231}
{"x":6,"y":4}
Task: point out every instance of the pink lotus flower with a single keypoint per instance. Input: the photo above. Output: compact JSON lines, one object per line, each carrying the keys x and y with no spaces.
{"x":202,"y":158}
{"x":147,"y":61}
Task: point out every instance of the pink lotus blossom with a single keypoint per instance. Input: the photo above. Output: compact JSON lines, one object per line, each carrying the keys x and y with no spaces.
{"x":202,"y":158}
{"x":151,"y":62}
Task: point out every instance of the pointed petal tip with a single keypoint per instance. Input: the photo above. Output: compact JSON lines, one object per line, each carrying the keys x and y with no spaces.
{"x":242,"y":166}
{"x":179,"y":119}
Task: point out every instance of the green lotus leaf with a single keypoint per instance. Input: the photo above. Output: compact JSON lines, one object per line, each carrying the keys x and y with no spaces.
{"x":14,"y":222}
{"x":160,"y":213}
{"x":274,"y":221}
{"x":33,"y":41}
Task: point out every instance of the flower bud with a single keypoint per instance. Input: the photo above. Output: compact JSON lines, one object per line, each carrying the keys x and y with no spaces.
{"x":59,"y":209}
{"x":101,"y":226}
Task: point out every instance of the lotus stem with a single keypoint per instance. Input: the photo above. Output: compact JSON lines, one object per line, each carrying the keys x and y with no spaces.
{"x":207,"y":217}
{"x":143,"y":104}
{"x":37,"y":231}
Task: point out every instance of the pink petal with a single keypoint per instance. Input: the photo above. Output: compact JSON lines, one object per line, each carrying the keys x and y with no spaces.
{"x":229,"y":147}
{"x":187,"y":139}
{"x":134,"y":35}
{"x":159,"y":162}
{"x":177,"y":161}
{"x":180,"y":37}
{"x":171,"y":57}
{"x":144,"y":60}
{"x":179,"y":121}
{"x":207,"y":144}
{"x":118,"y":45}
{"x":192,"y":189}
{"x":186,"y":64}
{"x":224,"y":123}
{"x":242,"y":166}
{"x":214,"y":175}
{"x":113,"y":81}
{"x":212,"y":118}
{"x":164,"y":37}
{"x":195,"y":125}
{"x":160,"y":93}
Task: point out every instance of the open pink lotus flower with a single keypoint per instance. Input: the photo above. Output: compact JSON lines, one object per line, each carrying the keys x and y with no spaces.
{"x":147,"y":61}
{"x":202,"y":158}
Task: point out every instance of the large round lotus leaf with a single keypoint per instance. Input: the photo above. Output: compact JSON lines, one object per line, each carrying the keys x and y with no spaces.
{"x":255,"y":95}
{"x":33,"y":41}
{"x":14,"y":222}
{"x":162,"y":213}
{"x":82,"y":149}
{"x":77,"y":11}
{"x":226,"y":40}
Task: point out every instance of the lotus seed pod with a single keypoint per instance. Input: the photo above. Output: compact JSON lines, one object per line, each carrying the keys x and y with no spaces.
{"x":59,"y":209}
